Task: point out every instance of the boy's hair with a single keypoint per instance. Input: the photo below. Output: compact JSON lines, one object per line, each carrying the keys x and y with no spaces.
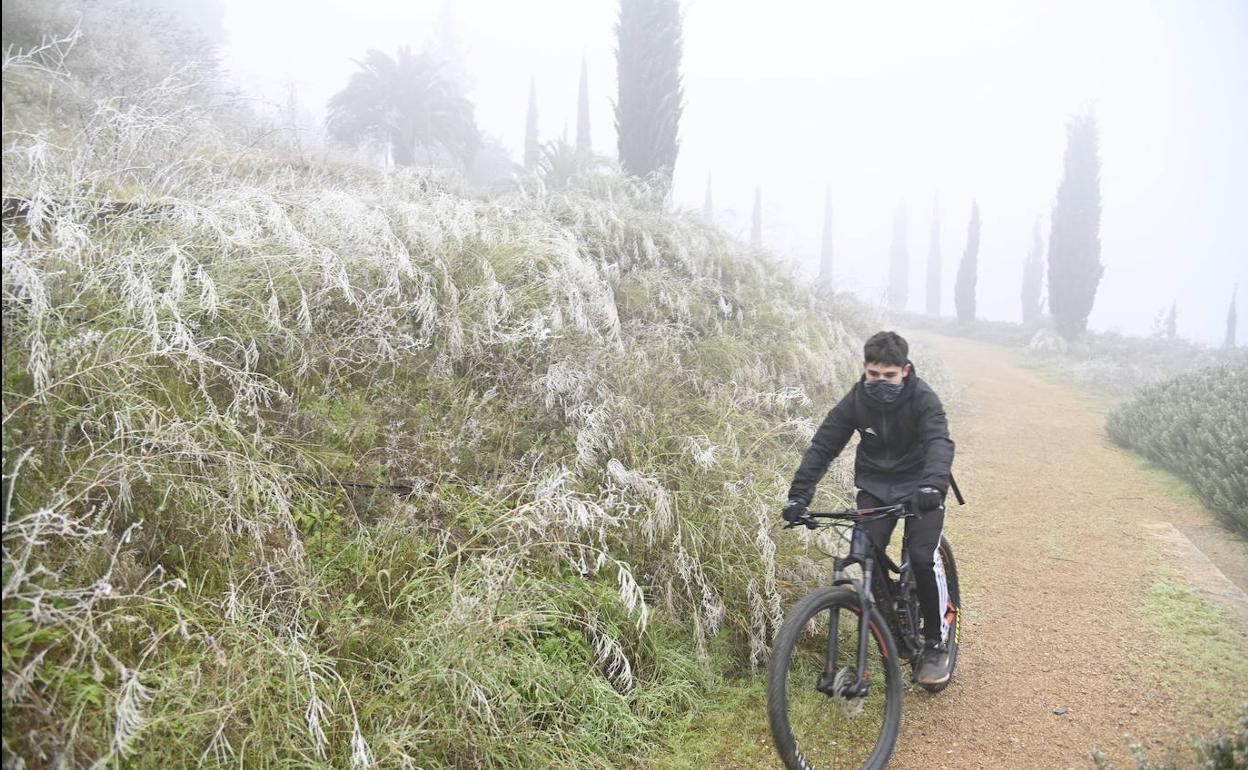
{"x":886,"y":348}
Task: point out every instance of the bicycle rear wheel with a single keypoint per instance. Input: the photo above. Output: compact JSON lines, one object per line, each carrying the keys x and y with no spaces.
{"x":816,"y":730}
{"x":951,"y":621}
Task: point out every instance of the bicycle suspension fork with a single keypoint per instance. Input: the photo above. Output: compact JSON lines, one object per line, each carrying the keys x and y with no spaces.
{"x":859,"y":553}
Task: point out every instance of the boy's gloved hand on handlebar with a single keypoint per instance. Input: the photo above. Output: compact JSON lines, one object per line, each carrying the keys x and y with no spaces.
{"x":926,"y":499}
{"x":793,"y":511}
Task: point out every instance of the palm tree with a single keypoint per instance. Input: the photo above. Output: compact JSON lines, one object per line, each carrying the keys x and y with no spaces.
{"x":560,"y":164}
{"x":404,"y":102}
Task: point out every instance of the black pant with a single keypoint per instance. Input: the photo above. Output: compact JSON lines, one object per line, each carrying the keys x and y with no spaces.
{"x":924,"y":533}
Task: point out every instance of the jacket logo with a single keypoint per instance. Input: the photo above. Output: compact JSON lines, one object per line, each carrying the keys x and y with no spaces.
{"x":871,"y":431}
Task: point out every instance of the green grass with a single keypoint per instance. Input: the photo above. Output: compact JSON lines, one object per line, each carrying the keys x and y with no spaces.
{"x":1199,"y":648}
{"x":1164,"y":481}
{"x":1199,"y":642}
{"x":1225,"y":751}
{"x":728,"y":730}
{"x":1102,"y":396}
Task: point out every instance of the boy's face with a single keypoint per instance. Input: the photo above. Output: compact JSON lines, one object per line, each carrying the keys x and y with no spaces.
{"x":886,"y":372}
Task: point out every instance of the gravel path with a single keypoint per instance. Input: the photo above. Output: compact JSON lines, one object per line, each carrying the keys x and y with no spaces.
{"x":1056,"y":548}
{"x":1063,"y":541}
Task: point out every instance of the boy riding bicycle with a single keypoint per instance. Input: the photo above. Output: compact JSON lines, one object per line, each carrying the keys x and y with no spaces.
{"x":904,"y":454}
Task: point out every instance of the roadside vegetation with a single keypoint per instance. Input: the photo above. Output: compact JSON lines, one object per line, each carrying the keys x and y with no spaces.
{"x":1112,"y":365}
{"x":1196,"y":426}
{"x":1222,"y":752}
{"x":313,"y":464}
{"x":464,"y":464}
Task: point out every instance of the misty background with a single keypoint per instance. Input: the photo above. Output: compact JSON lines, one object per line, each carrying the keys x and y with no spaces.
{"x":886,"y":104}
{"x":373,"y":447}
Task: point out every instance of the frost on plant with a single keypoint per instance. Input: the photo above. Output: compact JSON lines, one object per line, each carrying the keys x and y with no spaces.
{"x":384,"y":437}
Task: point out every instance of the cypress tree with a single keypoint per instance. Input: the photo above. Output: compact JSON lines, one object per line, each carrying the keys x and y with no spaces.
{"x":899,"y":263}
{"x":968,"y":269}
{"x":583,"y":144}
{"x":648,"y":51}
{"x":825,"y":249}
{"x":756,"y":225}
{"x":532,"y":144}
{"x":934,"y":266}
{"x":1075,"y":267}
{"x":708,"y":205}
{"x":1172,"y":321}
{"x":1231,"y":320}
{"x":1033,"y":277}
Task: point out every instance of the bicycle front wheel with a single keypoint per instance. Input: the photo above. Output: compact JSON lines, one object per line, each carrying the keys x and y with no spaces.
{"x":814,"y":724}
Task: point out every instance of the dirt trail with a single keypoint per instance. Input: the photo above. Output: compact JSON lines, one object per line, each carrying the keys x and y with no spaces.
{"x":1058,"y":546}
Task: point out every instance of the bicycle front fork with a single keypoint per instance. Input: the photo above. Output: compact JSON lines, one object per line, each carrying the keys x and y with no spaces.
{"x":859,"y":553}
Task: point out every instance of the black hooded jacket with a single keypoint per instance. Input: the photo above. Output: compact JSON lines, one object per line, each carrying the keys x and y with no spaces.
{"x":904,"y":445}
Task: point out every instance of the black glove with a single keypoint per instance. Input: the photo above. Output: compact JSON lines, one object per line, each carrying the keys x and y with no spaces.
{"x":793,"y":511}
{"x":926,"y":499}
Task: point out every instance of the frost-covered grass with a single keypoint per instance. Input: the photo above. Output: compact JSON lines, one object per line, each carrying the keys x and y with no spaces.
{"x":594,"y":401}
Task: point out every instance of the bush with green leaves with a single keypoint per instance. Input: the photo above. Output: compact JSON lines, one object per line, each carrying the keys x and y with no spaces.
{"x":587,"y":405}
{"x":1195,"y":425}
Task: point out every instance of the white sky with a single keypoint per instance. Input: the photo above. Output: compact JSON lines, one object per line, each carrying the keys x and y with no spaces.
{"x":888,"y":102}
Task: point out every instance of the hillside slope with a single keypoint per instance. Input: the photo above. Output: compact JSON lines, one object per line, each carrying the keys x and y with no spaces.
{"x":322,"y":466}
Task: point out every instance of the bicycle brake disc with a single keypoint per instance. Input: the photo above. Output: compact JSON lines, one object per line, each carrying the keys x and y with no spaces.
{"x":850,"y":707}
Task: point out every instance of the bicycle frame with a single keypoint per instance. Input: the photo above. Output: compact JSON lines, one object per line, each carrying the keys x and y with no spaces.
{"x":864,"y":552}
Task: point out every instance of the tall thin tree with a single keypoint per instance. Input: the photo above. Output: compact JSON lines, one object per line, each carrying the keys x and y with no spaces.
{"x":532,"y":142}
{"x":756,"y":223}
{"x":1172,"y":321}
{"x":583,"y":143}
{"x":968,"y":271}
{"x":1075,"y":267}
{"x":899,"y":262}
{"x":708,"y":204}
{"x":1231,"y":320}
{"x":649,"y":47}
{"x":934,"y":266}
{"x":825,"y":248}
{"x":1033,"y":277}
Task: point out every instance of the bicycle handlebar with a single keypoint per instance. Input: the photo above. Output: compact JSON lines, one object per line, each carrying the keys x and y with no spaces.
{"x":810,"y":519}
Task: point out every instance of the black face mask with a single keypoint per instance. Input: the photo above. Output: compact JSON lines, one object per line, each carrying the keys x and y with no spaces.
{"x":883,"y":390}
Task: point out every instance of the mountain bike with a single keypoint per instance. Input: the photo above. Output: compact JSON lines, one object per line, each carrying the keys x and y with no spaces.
{"x":834,"y":680}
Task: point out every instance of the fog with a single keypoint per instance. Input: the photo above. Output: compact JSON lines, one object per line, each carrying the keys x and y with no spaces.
{"x":886,"y":103}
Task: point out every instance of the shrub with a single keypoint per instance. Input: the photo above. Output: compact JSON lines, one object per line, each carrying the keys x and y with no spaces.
{"x":1196,"y":426}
